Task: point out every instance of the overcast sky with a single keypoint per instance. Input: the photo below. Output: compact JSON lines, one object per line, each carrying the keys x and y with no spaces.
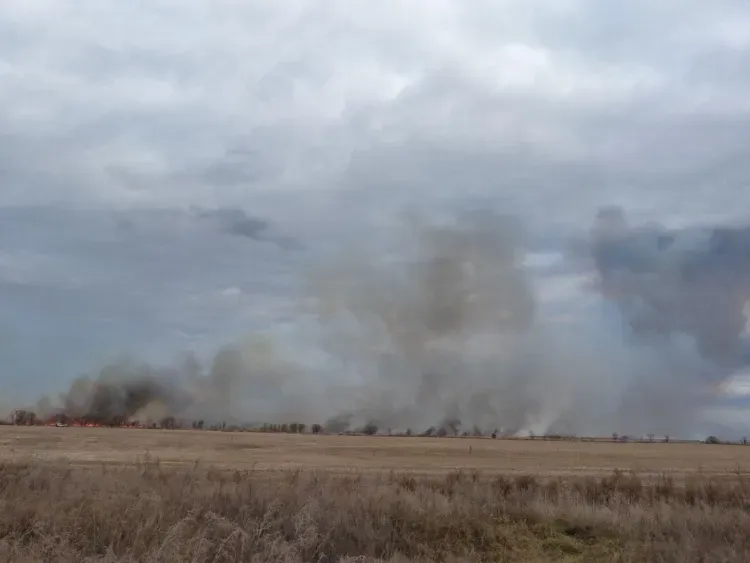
{"x":168,"y":167}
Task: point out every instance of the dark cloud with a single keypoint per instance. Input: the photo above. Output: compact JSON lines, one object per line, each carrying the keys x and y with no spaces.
{"x":689,"y":281}
{"x":236,"y":222}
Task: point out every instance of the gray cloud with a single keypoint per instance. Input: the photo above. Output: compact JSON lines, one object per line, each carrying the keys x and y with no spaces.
{"x":200,"y":113}
{"x":236,"y":222}
{"x":321,"y":122}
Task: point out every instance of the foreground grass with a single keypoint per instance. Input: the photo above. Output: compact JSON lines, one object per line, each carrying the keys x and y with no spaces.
{"x":150,"y":513}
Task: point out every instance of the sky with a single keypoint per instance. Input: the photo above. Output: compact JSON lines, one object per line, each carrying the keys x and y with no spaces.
{"x":170,"y":169}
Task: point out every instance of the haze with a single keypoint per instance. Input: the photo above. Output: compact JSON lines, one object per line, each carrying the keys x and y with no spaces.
{"x":178,"y":176}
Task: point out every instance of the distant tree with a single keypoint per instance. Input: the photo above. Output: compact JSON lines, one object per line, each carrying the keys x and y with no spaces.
{"x":294,"y":428}
{"x":317,"y":428}
{"x":168,"y":422}
{"x":442,"y":432}
{"x":301,"y":427}
{"x":284,"y":428}
{"x":494,"y":434}
{"x":201,"y":424}
{"x":713,"y":440}
{"x":370,"y":429}
{"x":666,"y":438}
{"x":429,"y":432}
{"x":614,"y":436}
{"x":117,"y":420}
{"x":531,"y":434}
{"x":744,"y":440}
{"x":24,"y":418}
{"x":650,"y":437}
{"x":409,"y":432}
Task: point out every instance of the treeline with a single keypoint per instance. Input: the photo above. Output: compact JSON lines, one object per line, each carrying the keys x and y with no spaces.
{"x":26,"y":417}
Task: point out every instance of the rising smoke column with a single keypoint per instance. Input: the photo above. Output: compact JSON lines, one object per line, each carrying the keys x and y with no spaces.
{"x":450,"y":328}
{"x":447,"y":329}
{"x":444,"y":327}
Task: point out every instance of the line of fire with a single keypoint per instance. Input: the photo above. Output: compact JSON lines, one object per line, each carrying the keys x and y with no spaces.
{"x":22,"y":417}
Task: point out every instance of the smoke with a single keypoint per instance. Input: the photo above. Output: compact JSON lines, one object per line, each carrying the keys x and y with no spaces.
{"x":448,"y":327}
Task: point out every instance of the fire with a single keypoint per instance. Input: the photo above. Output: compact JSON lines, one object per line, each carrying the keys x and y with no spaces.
{"x":62,"y":421}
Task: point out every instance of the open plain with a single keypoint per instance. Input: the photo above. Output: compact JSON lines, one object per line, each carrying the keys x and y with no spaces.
{"x":132,"y":495}
{"x":267,"y":451}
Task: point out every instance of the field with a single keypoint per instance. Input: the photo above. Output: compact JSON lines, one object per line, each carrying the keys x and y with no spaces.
{"x":246,"y":450}
{"x":115,"y":495}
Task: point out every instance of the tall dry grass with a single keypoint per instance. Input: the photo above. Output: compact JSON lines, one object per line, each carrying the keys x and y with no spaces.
{"x":150,"y":513}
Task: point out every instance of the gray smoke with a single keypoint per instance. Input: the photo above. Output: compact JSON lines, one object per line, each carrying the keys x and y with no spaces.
{"x":449,"y":330}
{"x":445,"y":328}
{"x":126,"y":390}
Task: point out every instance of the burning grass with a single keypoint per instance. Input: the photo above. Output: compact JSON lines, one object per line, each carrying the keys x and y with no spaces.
{"x":154,"y":513}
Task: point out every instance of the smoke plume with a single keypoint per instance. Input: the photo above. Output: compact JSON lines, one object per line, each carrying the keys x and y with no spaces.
{"x":445,"y":328}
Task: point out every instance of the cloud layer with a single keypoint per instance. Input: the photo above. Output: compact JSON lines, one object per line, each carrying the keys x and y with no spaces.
{"x":170,"y":172}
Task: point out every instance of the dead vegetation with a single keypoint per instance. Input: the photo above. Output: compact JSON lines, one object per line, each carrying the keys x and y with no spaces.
{"x":149,"y":512}
{"x":333,"y":453}
{"x":94,"y":495}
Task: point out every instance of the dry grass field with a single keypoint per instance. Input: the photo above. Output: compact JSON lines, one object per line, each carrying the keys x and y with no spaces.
{"x":245,"y":450}
{"x":121,"y":495}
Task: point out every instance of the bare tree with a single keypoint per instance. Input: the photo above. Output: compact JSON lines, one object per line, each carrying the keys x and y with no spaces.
{"x":168,"y":422}
{"x":24,"y":418}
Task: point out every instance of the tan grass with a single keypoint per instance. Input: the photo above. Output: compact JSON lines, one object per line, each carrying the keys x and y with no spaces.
{"x":367,"y":453}
{"x":153,"y":513}
{"x":130,"y":506}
